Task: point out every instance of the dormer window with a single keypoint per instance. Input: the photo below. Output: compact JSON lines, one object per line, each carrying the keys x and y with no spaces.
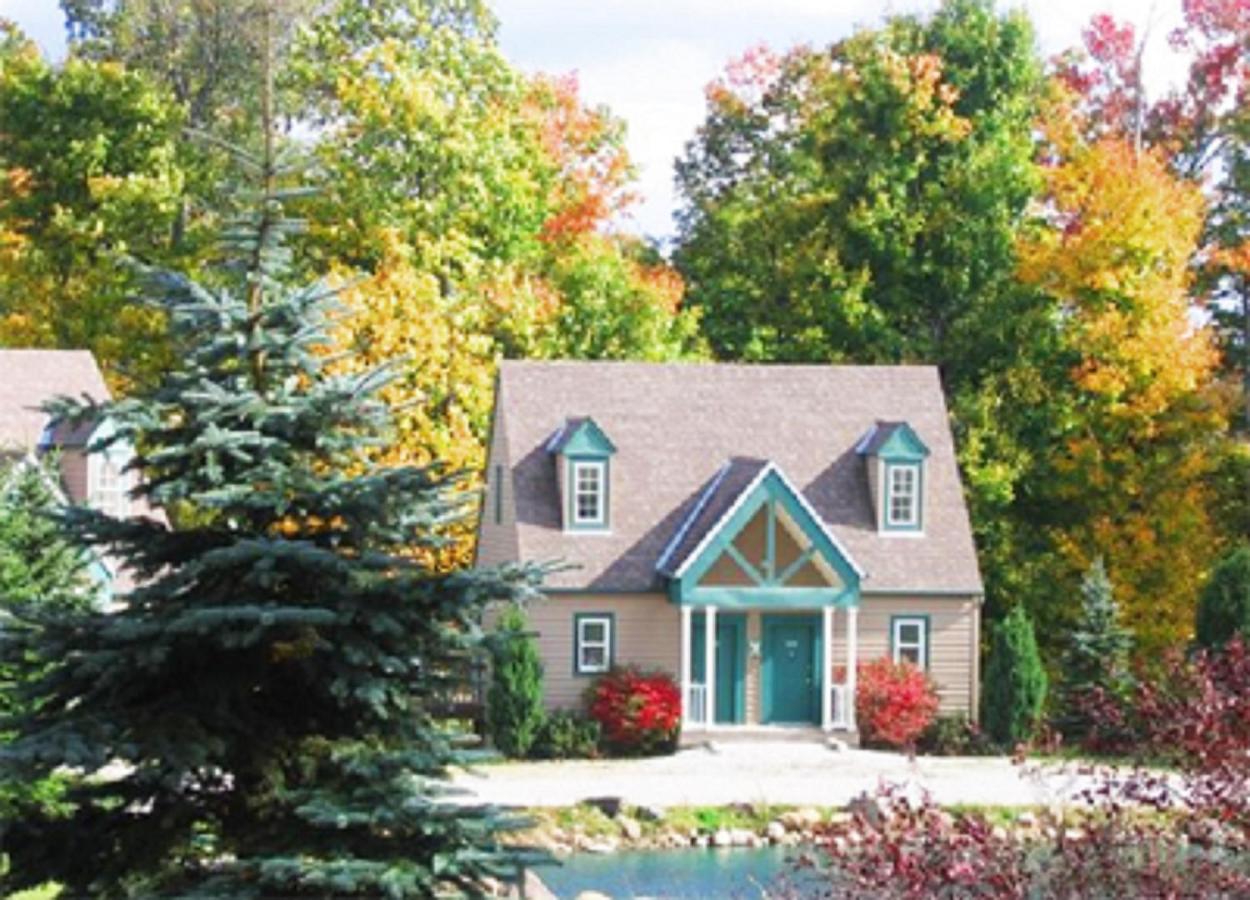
{"x":895,"y":458}
{"x":583,"y":456}
{"x":589,"y":493}
{"x":902,"y":495}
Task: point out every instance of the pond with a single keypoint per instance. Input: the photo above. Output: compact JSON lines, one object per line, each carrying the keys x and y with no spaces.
{"x":678,"y":874}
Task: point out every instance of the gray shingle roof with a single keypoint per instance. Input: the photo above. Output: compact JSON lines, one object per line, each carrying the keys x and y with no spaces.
{"x":676,"y":426}
{"x":29,"y":378}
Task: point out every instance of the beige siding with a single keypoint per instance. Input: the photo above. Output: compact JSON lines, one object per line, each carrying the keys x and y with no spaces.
{"x":74,"y":475}
{"x":497,"y":541}
{"x":647,"y":634}
{"x":953,"y":626}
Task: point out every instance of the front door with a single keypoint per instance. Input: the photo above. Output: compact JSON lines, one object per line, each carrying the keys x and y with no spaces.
{"x":730,"y":663}
{"x":790,"y":669}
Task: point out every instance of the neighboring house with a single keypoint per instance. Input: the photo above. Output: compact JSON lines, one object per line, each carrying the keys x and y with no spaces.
{"x":749,"y":529}
{"x":30,"y":378}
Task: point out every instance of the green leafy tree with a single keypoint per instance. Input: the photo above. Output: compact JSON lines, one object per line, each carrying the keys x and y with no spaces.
{"x":89,"y":169}
{"x":1015,"y":681}
{"x":39,"y":565}
{"x":514,"y":703}
{"x":1224,"y":604}
{"x":859,"y":203}
{"x":263,"y":702}
{"x":1096,"y":658}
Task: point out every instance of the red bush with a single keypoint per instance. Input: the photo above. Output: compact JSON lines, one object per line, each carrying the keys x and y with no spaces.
{"x":638,"y":712}
{"x":894,"y":703}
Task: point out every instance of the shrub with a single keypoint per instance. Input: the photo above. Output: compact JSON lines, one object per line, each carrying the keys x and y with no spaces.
{"x":639,"y":712}
{"x":955,"y":735}
{"x":1224,"y":604}
{"x":514,"y":703}
{"x":894,"y":703}
{"x":1095,"y":662}
{"x":566,"y":735}
{"x":1015,"y":682}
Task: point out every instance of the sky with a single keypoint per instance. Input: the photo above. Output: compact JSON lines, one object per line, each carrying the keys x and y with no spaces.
{"x":649,"y":60}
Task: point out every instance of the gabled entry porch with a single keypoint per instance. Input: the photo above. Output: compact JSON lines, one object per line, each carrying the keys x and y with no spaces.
{"x":768,"y":598}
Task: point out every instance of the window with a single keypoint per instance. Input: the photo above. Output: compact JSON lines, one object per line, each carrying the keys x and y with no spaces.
{"x":110,"y":485}
{"x":903,"y":496}
{"x":910,"y":640}
{"x":592,"y":651}
{"x":589,"y":495}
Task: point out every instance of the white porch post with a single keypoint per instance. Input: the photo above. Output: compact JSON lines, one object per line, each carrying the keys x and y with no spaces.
{"x":685,"y":664}
{"x":709,"y":664}
{"x":852,"y":661}
{"x":826,"y":668}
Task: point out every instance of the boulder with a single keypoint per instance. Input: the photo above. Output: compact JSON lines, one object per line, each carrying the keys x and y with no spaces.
{"x":775,"y":831}
{"x":600,"y":845}
{"x":592,"y":895}
{"x":741,"y":837}
{"x":630,"y":828}
{"x":722,"y":838}
{"x":650,"y":813}
{"x":609,"y":806}
{"x":800,"y":819}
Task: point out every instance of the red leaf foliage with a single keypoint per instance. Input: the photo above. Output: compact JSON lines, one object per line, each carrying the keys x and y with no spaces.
{"x":638,"y":712}
{"x":894,"y":702}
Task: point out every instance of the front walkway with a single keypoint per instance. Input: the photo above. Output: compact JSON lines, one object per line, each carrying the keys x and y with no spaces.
{"x":792,"y":774}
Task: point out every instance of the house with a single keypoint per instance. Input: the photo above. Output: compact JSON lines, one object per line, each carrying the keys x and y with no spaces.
{"x":30,"y":378}
{"x":750,"y":529}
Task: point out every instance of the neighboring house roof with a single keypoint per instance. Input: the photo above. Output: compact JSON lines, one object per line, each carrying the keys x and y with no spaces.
{"x":30,"y":378}
{"x":691,"y":437}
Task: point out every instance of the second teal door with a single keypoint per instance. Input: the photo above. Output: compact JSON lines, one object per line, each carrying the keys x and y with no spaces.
{"x":791,"y":651}
{"x":730,"y":663}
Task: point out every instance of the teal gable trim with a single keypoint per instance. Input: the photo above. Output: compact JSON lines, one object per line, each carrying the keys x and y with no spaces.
{"x":586,"y":440}
{"x":904,"y":445}
{"x":771,"y":490}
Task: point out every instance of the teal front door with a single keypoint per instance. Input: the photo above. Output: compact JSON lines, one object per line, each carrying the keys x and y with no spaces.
{"x":791,"y":688}
{"x":730,"y":663}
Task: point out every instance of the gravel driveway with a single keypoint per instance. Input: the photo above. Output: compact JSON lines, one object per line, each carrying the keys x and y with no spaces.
{"x":797,"y":774}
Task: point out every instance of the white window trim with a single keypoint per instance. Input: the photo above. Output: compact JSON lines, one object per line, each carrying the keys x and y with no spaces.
{"x":119,"y":456}
{"x":897,"y":644}
{"x":602,"y":469}
{"x":913,"y":521}
{"x":584,"y":668}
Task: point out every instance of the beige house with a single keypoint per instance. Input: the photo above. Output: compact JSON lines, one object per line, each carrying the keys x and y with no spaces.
{"x":750,"y":529}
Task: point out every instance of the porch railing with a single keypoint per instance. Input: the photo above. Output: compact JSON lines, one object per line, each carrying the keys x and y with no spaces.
{"x":696,"y":704}
{"x":839,"y":706}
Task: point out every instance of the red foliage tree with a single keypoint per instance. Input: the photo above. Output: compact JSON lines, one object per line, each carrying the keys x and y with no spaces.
{"x":1194,"y":714}
{"x":894,"y":702}
{"x":638,"y":712}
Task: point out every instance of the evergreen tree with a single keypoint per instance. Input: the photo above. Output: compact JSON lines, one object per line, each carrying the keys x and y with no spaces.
{"x":263,"y":701}
{"x":1224,"y":604}
{"x":38,"y":563}
{"x":1015,"y":682}
{"x":514,"y":705}
{"x":1096,"y":658}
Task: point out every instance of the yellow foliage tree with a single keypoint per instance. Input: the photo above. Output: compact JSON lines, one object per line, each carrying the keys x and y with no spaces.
{"x":1137,"y":430}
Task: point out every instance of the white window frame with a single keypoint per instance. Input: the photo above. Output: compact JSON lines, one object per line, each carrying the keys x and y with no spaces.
{"x":912,"y":521}
{"x":112,"y":498}
{"x":583,"y":644}
{"x":921,"y":646}
{"x":600,"y":468}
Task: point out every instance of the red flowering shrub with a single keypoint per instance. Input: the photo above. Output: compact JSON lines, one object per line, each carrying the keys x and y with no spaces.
{"x":639,"y":713}
{"x":894,"y":703}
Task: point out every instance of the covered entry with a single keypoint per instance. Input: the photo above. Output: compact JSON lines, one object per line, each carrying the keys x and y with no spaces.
{"x":762,"y":585}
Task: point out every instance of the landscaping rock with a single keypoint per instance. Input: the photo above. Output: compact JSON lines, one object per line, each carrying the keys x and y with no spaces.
{"x":650,"y":813}
{"x":800,"y":819}
{"x":1026,"y":820}
{"x":630,"y":828}
{"x":600,"y":845}
{"x":609,"y":806}
{"x":741,"y":837}
{"x":534,"y":889}
{"x":701,"y":840}
{"x":775,"y":831}
{"x":592,"y":895}
{"x":722,"y":838}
